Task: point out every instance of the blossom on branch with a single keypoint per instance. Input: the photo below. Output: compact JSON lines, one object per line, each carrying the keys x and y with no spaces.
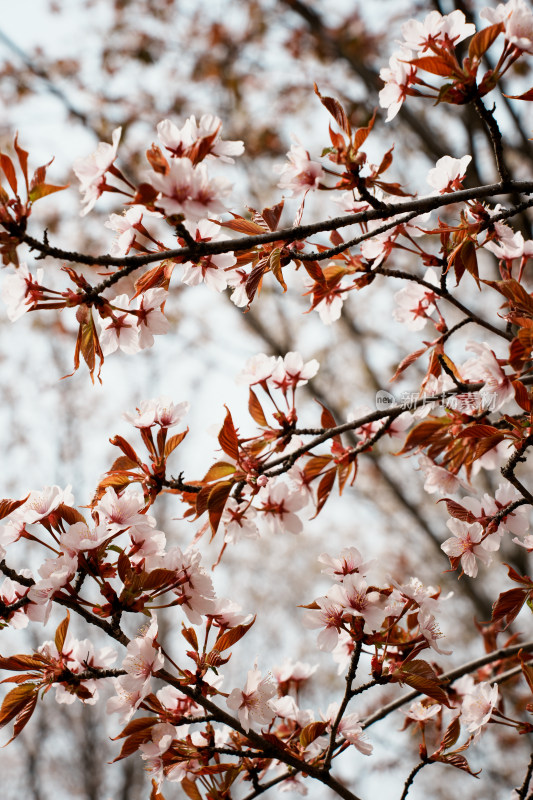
{"x":448,"y":174}
{"x":517,"y":21}
{"x":300,"y":174}
{"x":91,"y":171}
{"x":437,"y":31}
{"x":252,"y":703}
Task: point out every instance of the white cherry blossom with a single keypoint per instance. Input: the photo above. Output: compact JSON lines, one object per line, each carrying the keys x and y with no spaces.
{"x":91,"y":170}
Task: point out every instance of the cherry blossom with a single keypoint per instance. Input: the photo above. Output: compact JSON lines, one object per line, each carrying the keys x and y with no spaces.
{"x":252,"y":703}
{"x":194,"y":586}
{"x":349,"y":727}
{"x":438,"y":479}
{"x":431,"y":631}
{"x":142,"y":660}
{"x":160,"y":411}
{"x":91,"y":171}
{"x":124,"y":225}
{"x":343,"y":651}
{"x":498,"y":388}
{"x":300,"y":174}
{"x":467,"y":545}
{"x":258,"y":368}
{"x":278,"y":507}
{"x":517,"y":19}
{"x":150,"y":319}
{"x":238,"y":521}
{"x":120,"y":331}
{"x":227,"y":614}
{"x":350,"y":560}
{"x":211,"y":269}
{"x":436,"y":31}
{"x":398,"y":78}
{"x":121,"y":511}
{"x":292,"y":674}
{"x":415,"y":303}
{"x":421,"y":712}
{"x":80,"y":537}
{"x":179,"y":141}
{"x":329,"y":616}
{"x":353,"y":596}
{"x":189,"y":190}
{"x":21,"y":291}
{"x":477,"y":705}
{"x":290,"y":371}
{"x":448,"y":174}
{"x":40,"y":504}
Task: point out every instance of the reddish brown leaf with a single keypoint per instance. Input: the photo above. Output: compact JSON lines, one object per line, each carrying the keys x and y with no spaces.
{"x":312,"y":732}
{"x":509,"y":604}
{"x":9,"y":171}
{"x":174,"y":441}
{"x":217,"y":501}
{"x":451,"y":734}
{"x":324,"y":489}
{"x":228,"y":439}
{"x":61,"y":633}
{"x":482,"y":40}
{"x":8,"y":506}
{"x":272,"y":215}
{"x":433,"y":64}
{"x":361,"y":134}
{"x":336,"y":111}
{"x":230,"y":637}
{"x":242,"y":225}
{"x":189,"y":634}
{"x":190,"y":788}
{"x":256,"y":410}
{"x":221,"y":469}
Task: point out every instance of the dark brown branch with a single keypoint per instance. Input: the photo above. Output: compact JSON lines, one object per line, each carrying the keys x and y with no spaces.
{"x":127,"y":264}
{"x":348,"y":694}
{"x":412,"y":775}
{"x":508,"y":470}
{"x":523,"y":791}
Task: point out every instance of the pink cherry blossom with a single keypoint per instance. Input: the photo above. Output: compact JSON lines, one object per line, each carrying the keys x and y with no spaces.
{"x":350,"y":728}
{"x":21,"y":291}
{"x":252,"y":702}
{"x":353,"y":596}
{"x":328,"y":616}
{"x":419,"y":712}
{"x":438,"y":479}
{"x":119,"y":512}
{"x":517,"y":19}
{"x":150,"y":318}
{"x":91,"y":170}
{"x":40,"y":504}
{"x":80,"y":537}
{"x":448,"y":174}
{"x":143,"y":659}
{"x":300,"y":174}
{"x":350,"y":560}
{"x":227,"y":614}
{"x":159,"y":411}
{"x":431,"y":631}
{"x":498,"y":388}
{"x":415,"y":303}
{"x":398,"y":77}
{"x":178,"y":141}
{"x":477,"y":705}
{"x":124,"y":225}
{"x":278,"y":507}
{"x":238,"y":521}
{"x":466,"y":544}
{"x":257,"y":369}
{"x":210,"y":269}
{"x":290,"y":371}
{"x":343,"y":651}
{"x":291,"y":674}
{"x":436,"y":31}
{"x":121,"y":331}
{"x":194,"y":586}
{"x":189,"y":190}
